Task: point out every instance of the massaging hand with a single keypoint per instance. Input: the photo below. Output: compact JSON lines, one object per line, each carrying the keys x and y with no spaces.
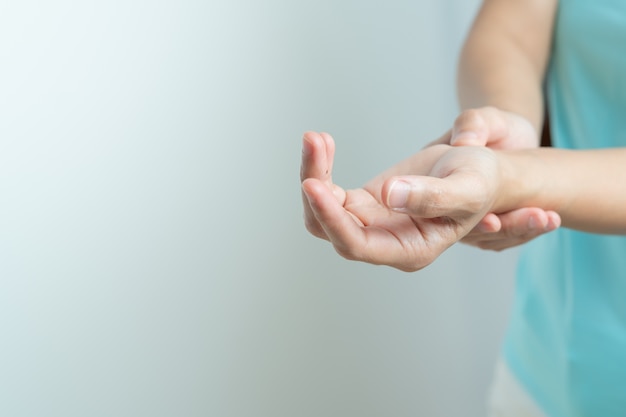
{"x":408,"y":215}
{"x":498,"y":129}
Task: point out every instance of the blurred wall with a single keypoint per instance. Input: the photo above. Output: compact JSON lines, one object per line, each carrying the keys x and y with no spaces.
{"x":153,"y":260}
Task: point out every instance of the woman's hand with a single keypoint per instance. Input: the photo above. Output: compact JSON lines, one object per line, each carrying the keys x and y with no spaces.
{"x":498,"y":129}
{"x":491,"y":127}
{"x":514,"y":228}
{"x":407,"y":216}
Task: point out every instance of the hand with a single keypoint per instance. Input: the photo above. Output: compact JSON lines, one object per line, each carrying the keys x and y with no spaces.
{"x":514,"y":228}
{"x":498,"y":129}
{"x":408,"y":215}
{"x":490,"y":127}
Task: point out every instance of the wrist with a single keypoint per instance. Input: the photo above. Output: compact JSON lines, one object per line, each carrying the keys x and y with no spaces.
{"x":520,"y":180}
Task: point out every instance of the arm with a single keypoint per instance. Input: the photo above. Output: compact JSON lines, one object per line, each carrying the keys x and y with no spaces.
{"x":408,"y":215}
{"x":361,"y":223}
{"x":504,"y":58}
{"x":502,"y":66}
{"x":586,"y":187}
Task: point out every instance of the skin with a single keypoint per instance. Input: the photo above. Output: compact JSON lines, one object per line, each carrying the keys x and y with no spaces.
{"x":501,"y":70}
{"x":516,"y":188}
{"x":361,"y":225}
{"x":500,"y":130}
{"x":448,"y":190}
{"x":504,"y":58}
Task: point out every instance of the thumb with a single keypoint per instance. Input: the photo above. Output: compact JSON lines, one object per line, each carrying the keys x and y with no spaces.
{"x":479,"y":127}
{"x":430,"y":197}
{"x":469,"y":138}
{"x":470,"y":129}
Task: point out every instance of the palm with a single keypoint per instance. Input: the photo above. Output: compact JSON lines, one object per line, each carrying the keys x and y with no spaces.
{"x":454,"y":194}
{"x":390,"y":232}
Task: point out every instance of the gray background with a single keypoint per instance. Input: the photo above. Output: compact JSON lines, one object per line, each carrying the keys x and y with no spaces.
{"x":153,"y":260}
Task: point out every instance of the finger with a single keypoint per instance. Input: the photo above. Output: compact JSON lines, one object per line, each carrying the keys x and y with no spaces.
{"x":518,"y":227}
{"x":374,"y":244}
{"x":329,"y":145}
{"x":527,"y":222}
{"x":479,"y":127}
{"x":429,"y":197}
{"x":524,"y":223}
{"x":495,"y":128}
{"x":489,"y":224}
{"x":554,"y":220}
{"x":498,"y":244}
{"x":316,"y":162}
{"x":338,"y":225}
{"x":314,"y":165}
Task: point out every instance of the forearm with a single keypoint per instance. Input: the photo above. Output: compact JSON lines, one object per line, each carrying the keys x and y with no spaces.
{"x":586,"y":187}
{"x":494,"y":73}
{"x":503,"y":61}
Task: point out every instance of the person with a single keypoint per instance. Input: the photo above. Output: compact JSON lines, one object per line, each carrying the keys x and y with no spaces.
{"x":487,"y":182}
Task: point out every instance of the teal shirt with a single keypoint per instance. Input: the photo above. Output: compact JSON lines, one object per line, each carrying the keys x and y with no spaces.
{"x":566,"y":341}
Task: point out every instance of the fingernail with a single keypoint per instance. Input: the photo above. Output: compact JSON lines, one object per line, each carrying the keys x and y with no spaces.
{"x":532,"y":223}
{"x":307,"y":147}
{"x":553,"y":223}
{"x":398,"y":195}
{"x":467,"y":136}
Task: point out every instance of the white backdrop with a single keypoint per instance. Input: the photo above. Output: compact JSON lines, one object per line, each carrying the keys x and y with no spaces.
{"x":153,"y":260}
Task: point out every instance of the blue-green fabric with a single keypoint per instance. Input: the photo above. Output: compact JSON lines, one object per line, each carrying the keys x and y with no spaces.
{"x":566,"y":341}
